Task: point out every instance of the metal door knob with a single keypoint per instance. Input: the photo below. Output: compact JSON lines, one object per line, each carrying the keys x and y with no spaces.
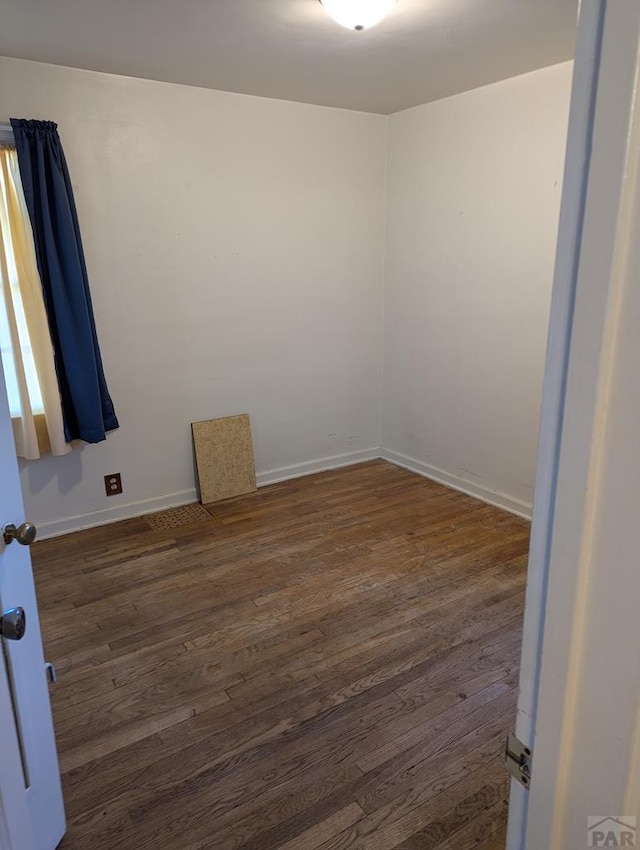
{"x":25,"y":534}
{"x":13,"y":624}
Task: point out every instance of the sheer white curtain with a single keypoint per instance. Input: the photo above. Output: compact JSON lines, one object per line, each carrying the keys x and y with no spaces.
{"x":25,"y":343}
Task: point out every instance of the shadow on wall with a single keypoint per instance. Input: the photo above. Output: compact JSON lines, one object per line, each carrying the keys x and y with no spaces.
{"x":68,"y":474}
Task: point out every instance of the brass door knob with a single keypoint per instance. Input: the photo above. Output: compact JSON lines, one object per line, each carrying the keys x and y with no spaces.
{"x":25,"y":534}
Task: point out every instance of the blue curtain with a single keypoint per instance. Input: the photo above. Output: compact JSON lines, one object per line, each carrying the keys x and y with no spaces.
{"x":86,"y":404}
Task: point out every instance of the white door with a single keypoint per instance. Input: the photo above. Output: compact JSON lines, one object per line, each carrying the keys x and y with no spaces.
{"x":579,"y":707}
{"x":31,"y":807}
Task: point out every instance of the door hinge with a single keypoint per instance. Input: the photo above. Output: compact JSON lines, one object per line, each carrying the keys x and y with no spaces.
{"x":518,"y":759}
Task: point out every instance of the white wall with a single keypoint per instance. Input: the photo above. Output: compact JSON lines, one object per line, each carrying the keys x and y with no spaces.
{"x":235,"y":252}
{"x":474,"y":185}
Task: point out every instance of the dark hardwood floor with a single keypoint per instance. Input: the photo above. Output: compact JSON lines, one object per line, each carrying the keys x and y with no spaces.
{"x":329,"y":663}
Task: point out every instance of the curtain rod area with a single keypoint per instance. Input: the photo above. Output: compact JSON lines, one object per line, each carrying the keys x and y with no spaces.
{"x":6,"y":134}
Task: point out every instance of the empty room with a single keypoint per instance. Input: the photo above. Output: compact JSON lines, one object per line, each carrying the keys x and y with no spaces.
{"x":276,"y":281}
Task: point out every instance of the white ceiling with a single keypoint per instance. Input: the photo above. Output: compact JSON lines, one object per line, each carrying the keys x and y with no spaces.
{"x":290,"y":49}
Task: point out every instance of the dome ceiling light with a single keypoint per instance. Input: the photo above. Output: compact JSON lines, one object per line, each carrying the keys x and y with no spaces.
{"x":358,"y":14}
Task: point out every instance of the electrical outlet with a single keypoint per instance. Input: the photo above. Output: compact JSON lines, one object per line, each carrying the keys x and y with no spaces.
{"x":113,"y":484}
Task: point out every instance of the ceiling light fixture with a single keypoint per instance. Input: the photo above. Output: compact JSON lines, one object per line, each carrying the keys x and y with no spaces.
{"x":358,"y":14}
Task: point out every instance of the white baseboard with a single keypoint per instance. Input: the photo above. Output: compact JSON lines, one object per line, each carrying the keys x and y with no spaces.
{"x":464,"y":485}
{"x":104,"y":516}
{"x":298,"y":470}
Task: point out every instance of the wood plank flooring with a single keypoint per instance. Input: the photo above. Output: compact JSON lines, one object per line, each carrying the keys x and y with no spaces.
{"x":329,"y":663}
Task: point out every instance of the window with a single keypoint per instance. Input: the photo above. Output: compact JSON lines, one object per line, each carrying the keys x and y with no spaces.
{"x":26,"y":354}
{"x":11,"y":304}
{"x":6,"y":347}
